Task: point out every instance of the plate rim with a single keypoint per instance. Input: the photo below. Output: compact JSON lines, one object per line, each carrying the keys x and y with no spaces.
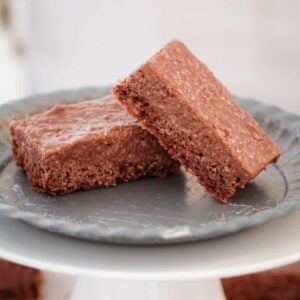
{"x":158,"y":235}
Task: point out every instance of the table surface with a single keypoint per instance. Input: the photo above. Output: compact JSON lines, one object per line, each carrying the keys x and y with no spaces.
{"x":264,"y":247}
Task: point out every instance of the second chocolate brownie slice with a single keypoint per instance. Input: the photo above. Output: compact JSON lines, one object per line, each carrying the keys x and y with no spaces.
{"x":85,"y":145}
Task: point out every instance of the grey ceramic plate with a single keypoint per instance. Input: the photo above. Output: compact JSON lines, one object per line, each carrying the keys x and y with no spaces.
{"x":150,"y":210}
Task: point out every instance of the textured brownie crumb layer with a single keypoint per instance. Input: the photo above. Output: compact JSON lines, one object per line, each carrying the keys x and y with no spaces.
{"x":18,"y":282}
{"x":192,"y":115}
{"x":86,"y":145}
{"x":210,"y":172}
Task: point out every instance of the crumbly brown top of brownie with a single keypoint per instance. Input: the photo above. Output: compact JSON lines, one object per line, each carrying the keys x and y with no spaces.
{"x":64,"y":124}
{"x":189,"y":77}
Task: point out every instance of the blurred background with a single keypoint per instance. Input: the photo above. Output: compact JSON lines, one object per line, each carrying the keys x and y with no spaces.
{"x":252,"y":46}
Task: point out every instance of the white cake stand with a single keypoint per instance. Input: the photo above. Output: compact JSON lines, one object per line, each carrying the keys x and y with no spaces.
{"x":186,"y":271}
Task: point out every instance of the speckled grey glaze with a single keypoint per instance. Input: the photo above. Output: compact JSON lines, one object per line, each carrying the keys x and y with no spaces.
{"x":152,"y":211}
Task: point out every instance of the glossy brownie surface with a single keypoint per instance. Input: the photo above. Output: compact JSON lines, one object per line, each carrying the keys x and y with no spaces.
{"x":70,"y":123}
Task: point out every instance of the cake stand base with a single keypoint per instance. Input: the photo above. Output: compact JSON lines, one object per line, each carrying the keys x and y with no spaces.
{"x":93,"y":288}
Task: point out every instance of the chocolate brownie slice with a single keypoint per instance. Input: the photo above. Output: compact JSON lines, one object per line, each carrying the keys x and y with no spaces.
{"x":86,"y":145}
{"x":277,"y":284}
{"x":179,"y":100}
{"x":18,"y":282}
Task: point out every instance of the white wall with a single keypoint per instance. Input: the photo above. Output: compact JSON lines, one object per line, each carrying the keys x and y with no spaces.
{"x":253,"y":46}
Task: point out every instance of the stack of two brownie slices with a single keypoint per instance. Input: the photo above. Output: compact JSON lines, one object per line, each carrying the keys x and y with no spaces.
{"x":187,"y":116}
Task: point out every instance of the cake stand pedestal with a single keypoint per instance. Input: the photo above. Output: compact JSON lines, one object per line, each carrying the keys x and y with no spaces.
{"x":154,"y":272}
{"x":94,"y":289}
